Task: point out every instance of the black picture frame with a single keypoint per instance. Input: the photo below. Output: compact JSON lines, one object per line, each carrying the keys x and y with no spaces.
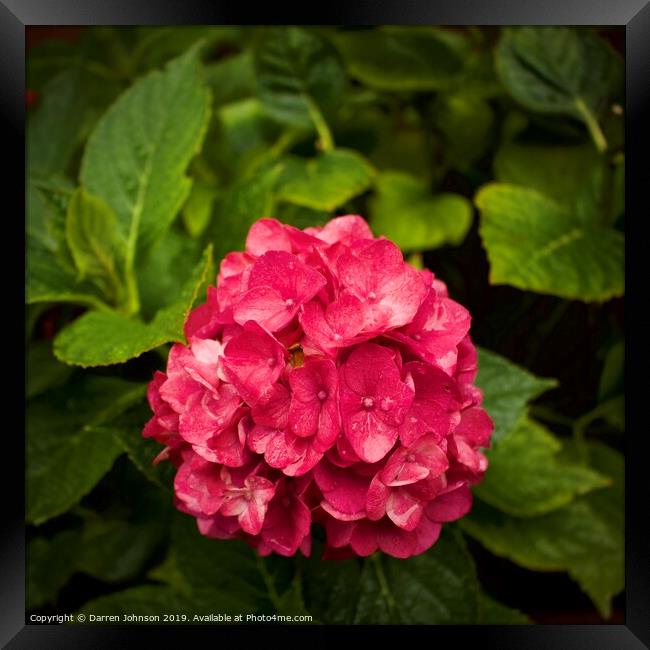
{"x":16,"y":15}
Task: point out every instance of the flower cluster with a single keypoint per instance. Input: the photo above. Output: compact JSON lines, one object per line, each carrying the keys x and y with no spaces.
{"x":327,"y":381}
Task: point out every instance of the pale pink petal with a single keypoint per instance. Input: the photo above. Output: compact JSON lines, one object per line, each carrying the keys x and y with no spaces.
{"x":403,"y":509}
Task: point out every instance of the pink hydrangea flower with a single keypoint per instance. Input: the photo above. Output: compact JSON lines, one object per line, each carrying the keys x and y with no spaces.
{"x":324,"y":382}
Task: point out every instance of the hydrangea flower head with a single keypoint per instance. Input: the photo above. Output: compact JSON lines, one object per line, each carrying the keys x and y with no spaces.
{"x":325,"y":381}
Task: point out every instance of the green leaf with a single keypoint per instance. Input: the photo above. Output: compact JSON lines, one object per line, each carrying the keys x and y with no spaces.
{"x":127,"y":429}
{"x":54,"y":126}
{"x":533,"y":243}
{"x":156,"y":45}
{"x":299,"y":216}
{"x":144,"y":600}
{"x":50,"y":563}
{"x":136,"y":157}
{"x":50,"y":272}
{"x":493,"y":612}
{"x":65,"y":457}
{"x":437,"y":587}
{"x":197,"y":211}
{"x":119,"y":541}
{"x":548,"y":482}
{"x":560,"y":70}
{"x":507,"y":388}
{"x":585,"y":538}
{"x":325,"y":182}
{"x":232,"y":79}
{"x":573,"y":176}
{"x":612,"y":375}
{"x":94,"y":241}
{"x":467,"y":125}
{"x":243,"y":204}
{"x":330,"y":588}
{"x":165,"y":269}
{"x":405,"y":211}
{"x":405,"y":146}
{"x":403,"y":58}
{"x":104,"y":338}
{"x":44,"y":372}
{"x":243,"y":134}
{"x":116,"y":550}
{"x":48,"y":281}
{"x":210,"y":567}
{"x":48,"y":198}
{"x":299,"y":75}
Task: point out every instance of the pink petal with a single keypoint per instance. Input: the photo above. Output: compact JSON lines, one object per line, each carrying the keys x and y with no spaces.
{"x":308,"y":459}
{"x":198,"y":485}
{"x":335,"y":326}
{"x":253,"y":360}
{"x":450,"y":506}
{"x":434,"y":406}
{"x":204,"y":321}
{"x":364,"y":538}
{"x":427,"y":534}
{"x":403,"y":509}
{"x":260,"y":436}
{"x":370,"y":437}
{"x":218,"y":526}
{"x":267,"y":235}
{"x":273,"y":408}
{"x":339,"y":533}
{"x":403,"y":468}
{"x":227,"y":447}
{"x":287,"y":523}
{"x":265,"y":306}
{"x":338,"y":514}
{"x":475,"y":426}
{"x":346,"y":229}
{"x":287,"y":275}
{"x":344,"y":489}
{"x":391,"y":290}
{"x":376,"y":499}
{"x":367,"y":368}
{"x":394,"y":541}
{"x":208,"y":413}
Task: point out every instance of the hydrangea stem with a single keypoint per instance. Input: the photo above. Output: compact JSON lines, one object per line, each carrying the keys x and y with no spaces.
{"x":324,"y":133}
{"x":274,"y":597}
{"x":595,"y":131}
{"x":381,"y":578}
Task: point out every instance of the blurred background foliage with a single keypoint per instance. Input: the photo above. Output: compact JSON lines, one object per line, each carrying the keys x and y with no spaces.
{"x":494,"y":157}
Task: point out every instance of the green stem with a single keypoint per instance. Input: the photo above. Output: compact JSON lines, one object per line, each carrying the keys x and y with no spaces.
{"x":285,"y":141}
{"x":324,"y":133}
{"x":381,"y":578}
{"x":132,"y":293}
{"x":595,"y":131}
{"x":274,"y":597}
